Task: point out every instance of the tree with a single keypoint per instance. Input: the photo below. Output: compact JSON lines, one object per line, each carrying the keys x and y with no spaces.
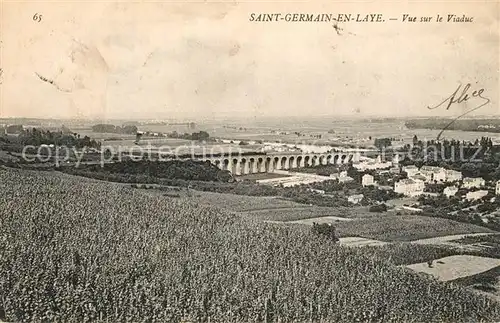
{"x":129,"y":129}
{"x":200,"y":136}
{"x":326,"y":229}
{"x":382,"y":143}
{"x":14,"y":129}
{"x":109,"y":128}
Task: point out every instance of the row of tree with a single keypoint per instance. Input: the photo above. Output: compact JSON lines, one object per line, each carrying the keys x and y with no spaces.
{"x":172,"y":169}
{"x":198,"y":136}
{"x":37,"y":137}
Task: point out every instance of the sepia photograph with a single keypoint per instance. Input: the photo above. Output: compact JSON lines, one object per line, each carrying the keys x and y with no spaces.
{"x":249,"y":161}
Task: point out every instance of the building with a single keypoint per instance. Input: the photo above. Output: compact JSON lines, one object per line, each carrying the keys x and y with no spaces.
{"x":409,"y":187}
{"x":452,"y":175}
{"x":355,"y":199}
{"x":439,"y":176}
{"x":433,"y":173}
{"x":411,"y":170}
{"x":367,"y":180}
{"x":433,"y":169}
{"x":497,"y":188}
{"x":370,"y":165}
{"x":394,"y":170}
{"x":450,"y":191}
{"x":419,"y":177}
{"x":342,"y":177}
{"x":292,"y":179}
{"x":345,"y":179}
{"x":317,"y":191}
{"x":410,"y":208}
{"x":424,"y":175}
{"x":473,"y":182}
{"x":476,"y":195}
{"x":395,"y":160}
{"x":366,"y":163}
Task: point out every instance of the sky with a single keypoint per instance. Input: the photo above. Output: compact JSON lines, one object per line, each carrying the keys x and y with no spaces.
{"x":206,"y":60}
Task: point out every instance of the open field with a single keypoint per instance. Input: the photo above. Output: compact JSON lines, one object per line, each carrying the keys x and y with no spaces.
{"x":405,"y":228}
{"x":360,"y":242}
{"x":457,"y":239}
{"x":107,"y":253}
{"x":239,"y":203}
{"x":263,"y":208}
{"x":454,"y":267}
{"x":302,"y":211}
{"x":406,"y":253}
{"x":379,"y":231}
{"x":355,"y":129}
{"x":293,"y":213}
{"x":311,"y":221}
{"x":324,"y":219}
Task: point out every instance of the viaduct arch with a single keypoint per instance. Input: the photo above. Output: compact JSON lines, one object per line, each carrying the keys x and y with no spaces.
{"x":263,"y":163}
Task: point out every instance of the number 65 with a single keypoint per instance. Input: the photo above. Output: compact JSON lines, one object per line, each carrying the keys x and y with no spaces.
{"x":37,"y":17}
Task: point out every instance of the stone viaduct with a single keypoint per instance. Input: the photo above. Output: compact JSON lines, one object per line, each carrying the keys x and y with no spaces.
{"x":248,"y":163}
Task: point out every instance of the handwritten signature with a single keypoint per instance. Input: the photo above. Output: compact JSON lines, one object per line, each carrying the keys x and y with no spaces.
{"x":464,"y":96}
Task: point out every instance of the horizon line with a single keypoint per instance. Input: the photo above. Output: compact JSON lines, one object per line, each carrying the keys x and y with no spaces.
{"x":235,"y":118}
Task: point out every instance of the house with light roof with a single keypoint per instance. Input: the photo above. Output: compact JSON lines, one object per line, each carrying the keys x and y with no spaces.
{"x":450,"y":191}
{"x":472,"y":196}
{"x":452,"y":175}
{"x":409,"y":187}
{"x":473,"y":182}
{"x":367,"y":180}
{"x":411,"y":170}
{"x":433,"y":173}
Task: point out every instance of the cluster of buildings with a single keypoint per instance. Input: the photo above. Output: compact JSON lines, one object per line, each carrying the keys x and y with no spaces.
{"x":293,"y":178}
{"x":366,"y":163}
{"x":275,"y":147}
{"x":342,"y":177}
{"x":417,"y":178}
{"x":414,"y":185}
{"x":409,"y":187}
{"x":432,"y":174}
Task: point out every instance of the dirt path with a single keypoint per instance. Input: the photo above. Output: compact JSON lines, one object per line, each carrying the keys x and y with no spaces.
{"x":310,"y":221}
{"x":320,"y":220}
{"x":360,"y":242}
{"x":447,"y":240}
{"x":280,"y":208}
